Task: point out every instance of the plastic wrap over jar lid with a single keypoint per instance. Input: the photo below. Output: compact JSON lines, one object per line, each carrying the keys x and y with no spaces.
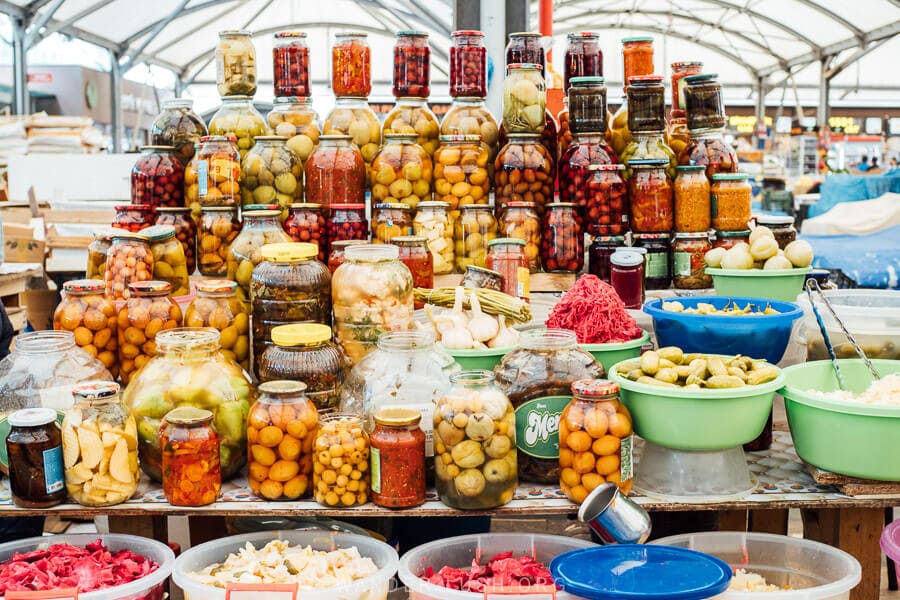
{"x":216,"y":286}
{"x":85,"y":286}
{"x":95,"y":390}
{"x":595,"y":387}
{"x":32,"y":417}
{"x":301,"y":334}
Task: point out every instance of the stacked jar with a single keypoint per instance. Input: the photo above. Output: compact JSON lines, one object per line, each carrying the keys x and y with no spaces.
{"x":523,"y":172}
{"x":402,"y":171}
{"x":652,"y":219}
{"x":692,"y":223}
{"x":217,"y":305}
{"x":306,"y":224}
{"x":178,"y":126}
{"x":705,"y":108}
{"x":235,"y":59}
{"x":157,"y":177}
{"x":335,"y":173}
{"x":412,"y":86}
{"x":647,"y":123}
{"x":583,"y":58}
{"x":290,"y":62}
{"x":347,"y":223}
{"x":677,"y":135}
{"x":214,"y":176}
{"x":185,"y":232}
{"x":637,"y":58}
{"x":520,"y":220}
{"x":462,"y":167}
{"x":434,"y":223}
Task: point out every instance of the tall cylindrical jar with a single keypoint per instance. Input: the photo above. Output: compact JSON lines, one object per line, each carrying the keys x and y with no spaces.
{"x":583,"y":57}
{"x":185,"y":232}
{"x":402,"y":171}
{"x":235,"y":64}
{"x":398,"y":459}
{"x":191,"y":471}
{"x":462,"y":169}
{"x":333,"y":487}
{"x":413,"y":116}
{"x":692,"y":202}
{"x":520,"y":220}
{"x":179,"y":126}
{"x":523,"y":172}
{"x":562,"y":239}
{"x":214,"y":176}
{"x":35,"y":455}
{"x":219,"y":226}
{"x":305,"y":223}
{"x":91,"y":317}
{"x":353,"y":116}
{"x":415,"y":255}
{"x":351,"y":65}
{"x":650,"y":195}
{"x":412,"y":65}
{"x":239,"y":118}
{"x":468,"y":64}
{"x":260,"y":227}
{"x":129,"y":260}
{"x":524,"y":98}
{"x":606,"y":212}
{"x":290,"y":64}
{"x":637,"y":57}
{"x":730,"y":199}
{"x":148,"y":311}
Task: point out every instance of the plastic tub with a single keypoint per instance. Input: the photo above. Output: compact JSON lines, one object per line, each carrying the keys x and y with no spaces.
{"x":374,"y":587}
{"x":890,"y":544}
{"x":610,"y":354}
{"x":459,"y":552}
{"x":761,"y":336}
{"x":783,"y":285}
{"x":485,"y":359}
{"x":151,"y":587}
{"x":814,"y":571}
{"x":872,"y":316}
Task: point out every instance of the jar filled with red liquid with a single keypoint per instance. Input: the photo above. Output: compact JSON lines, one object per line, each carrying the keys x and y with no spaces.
{"x":680,"y":70}
{"x":290,"y":63}
{"x":351,"y":65}
{"x":525,"y":47}
{"x":562,"y":242}
{"x":398,"y":458}
{"x":157,"y":177}
{"x":415,"y":255}
{"x":336,"y":257}
{"x":601,"y":250}
{"x":651,"y":198}
{"x":191,"y":473}
{"x":335,"y":173}
{"x":583,"y":57}
{"x":347,"y":222}
{"x":306,"y":223}
{"x":412,"y":65}
{"x":626,"y":275}
{"x":468,"y":64}
{"x":507,"y":257}
{"x":606,"y":211}
{"x":134,"y":217}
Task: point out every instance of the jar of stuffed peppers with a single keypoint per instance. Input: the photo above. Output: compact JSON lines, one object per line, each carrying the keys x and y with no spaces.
{"x":335,"y":173}
{"x":219,"y":226}
{"x":507,"y":257}
{"x":306,"y":223}
{"x":97,"y":249}
{"x":468,"y":64}
{"x":402,"y":171}
{"x":637,"y":55}
{"x":169,"y":262}
{"x":185,"y":231}
{"x":271,"y":174}
{"x":730,"y":199}
{"x":134,"y":217}
{"x":520,"y":220}
{"x":412,"y":116}
{"x":657,"y":251}
{"x":35,"y":451}
{"x":412,"y":65}
{"x":179,"y":126}
{"x":129,"y":260}
{"x":290,"y":64}
{"x":680,"y":70}
{"x":583,"y":57}
{"x":239,"y":118}
{"x":295,"y":118}
{"x":157,"y":177}
{"x":475,"y":227}
{"x":650,"y":196}
{"x":606,"y":211}
{"x":347,"y":222}
{"x":470,"y":116}
{"x":462,"y":171}
{"x":149,"y":310}
{"x":341,"y":434}
{"x":600,"y":252}
{"x":562,"y":239}
{"x":691,"y":192}
{"x":235,"y":64}
{"x":587,"y":151}
{"x":260,"y":227}
{"x":587,"y":105}
{"x":730,"y":239}
{"x":336,"y":257}
{"x":525,"y":47}
{"x":390,"y":220}
{"x":191,"y":472}
{"x":214,"y":176}
{"x":524,"y":98}
{"x":90,"y":316}
{"x":217,"y":305}
{"x":434,"y":223}
{"x":688,"y":251}
{"x":351,"y":65}
{"x":523,"y":172}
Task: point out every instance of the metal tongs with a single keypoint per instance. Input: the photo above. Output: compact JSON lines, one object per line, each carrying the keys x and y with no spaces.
{"x":811,"y":286}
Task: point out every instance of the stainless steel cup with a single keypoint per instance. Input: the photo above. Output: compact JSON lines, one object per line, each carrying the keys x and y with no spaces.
{"x":614,"y":517}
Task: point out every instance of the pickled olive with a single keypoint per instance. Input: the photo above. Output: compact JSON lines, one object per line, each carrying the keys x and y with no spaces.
{"x":335,"y":173}
{"x":134,"y":217}
{"x":351,"y":66}
{"x":169,"y":262}
{"x":562,"y":239}
{"x":306,"y":223}
{"x":574,"y":174}
{"x":219,"y":226}
{"x":347,"y":222}
{"x":730,"y":198}
{"x":524,"y":98}
{"x":692,"y":200}
{"x":650,"y":196}
{"x":129,"y":260}
{"x":353,"y":117}
{"x":235,"y":64}
{"x":412,"y":116}
{"x":179,"y":126}
{"x":468,"y":64}
{"x":412,"y":66}
{"x":689,"y":271}
{"x":470,"y":116}
{"x":606,"y":209}
{"x":185,"y":232}
{"x":475,"y":227}
{"x":260,"y":227}
{"x":157,"y":177}
{"x":341,"y":444}
{"x":461,"y":171}
{"x":290,"y":64}
{"x":217,"y":305}
{"x":271,"y":174}
{"x":433,"y":222}
{"x":97,"y":249}
{"x":295,"y":119}
{"x":519,"y":220}
{"x":239,"y":118}
{"x":710,"y":150}
{"x":390,"y":221}
{"x":402,"y":172}
{"x":148,"y":311}
{"x":91,"y":317}
{"x":214,"y":176}
{"x":523,"y":172}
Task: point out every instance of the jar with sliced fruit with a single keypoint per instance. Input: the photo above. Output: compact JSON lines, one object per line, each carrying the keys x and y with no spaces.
{"x":239,"y":118}
{"x":96,"y":254}
{"x":235,"y":64}
{"x":390,"y":221}
{"x":290,"y":64}
{"x":523,"y":172}
{"x":402,"y":171}
{"x":354,"y":117}
{"x":306,"y":223}
{"x":217,"y":305}
{"x":335,"y":173}
{"x":91,"y":317}
{"x":412,"y":116}
{"x":520,"y":220}
{"x":260,"y":227}
{"x":214,"y":176}
{"x":129,"y":260}
{"x":185,"y":232}
{"x":157,"y":177}
{"x":169,"y":261}
{"x":434,"y":223}
{"x":295,"y":119}
{"x":470,"y":116}
{"x":219,"y":226}
{"x":191,"y":473}
{"x":271,"y":174}
{"x":706,"y":119}
{"x":462,"y":171}
{"x":179,"y":126}
{"x":475,"y":227}
{"x":148,"y":311}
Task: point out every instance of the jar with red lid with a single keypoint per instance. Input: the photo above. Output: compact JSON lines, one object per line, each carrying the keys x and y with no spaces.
{"x":398,"y":458}
{"x":583,"y":57}
{"x":336,"y":257}
{"x":588,"y":150}
{"x":335,"y":173}
{"x":468,"y":64}
{"x":680,"y":70}
{"x":191,"y":472}
{"x":134,"y":217}
{"x":523,"y":172}
{"x":415,"y":255}
{"x":730,"y":239}
{"x":306,"y":223}
{"x":290,"y":63}
{"x":562,"y":242}
{"x":606,"y":211}
{"x":650,"y":196}
{"x":185,"y":231}
{"x":507,"y":257}
{"x":351,"y":65}
{"x":525,"y":47}
{"x":626,"y":275}
{"x":688,"y":252}
{"x":600,"y":252}
{"x":347,"y":222}
{"x":412,"y":65}
{"x":390,"y":221}
{"x":520,"y":220}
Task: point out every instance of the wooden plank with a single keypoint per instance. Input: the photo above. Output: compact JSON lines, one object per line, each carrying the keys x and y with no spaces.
{"x":769,"y":521}
{"x":18,"y":316}
{"x":855,"y":531}
{"x":852,"y":486}
{"x":733,"y":520}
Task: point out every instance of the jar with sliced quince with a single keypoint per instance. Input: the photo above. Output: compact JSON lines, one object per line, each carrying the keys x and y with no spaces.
{"x":157,"y":177}
{"x":185,"y":231}
{"x":462,"y":171}
{"x":260,"y":227}
{"x":214,"y":176}
{"x":217,"y":305}
{"x":412,"y":116}
{"x":295,"y":118}
{"x":520,"y":220}
{"x":148,"y":311}
{"x":238,"y":117}
{"x":271,"y":174}
{"x":434,"y":222}
{"x":351,"y":65}
{"x":353,"y":116}
{"x":91,"y":317}
{"x":523,"y":172}
{"x":470,"y":116}
{"x":179,"y":126}
{"x":219,"y":226}
{"x":402,"y":171}
{"x":290,"y":64}
{"x":235,"y":64}
{"x":335,"y":173}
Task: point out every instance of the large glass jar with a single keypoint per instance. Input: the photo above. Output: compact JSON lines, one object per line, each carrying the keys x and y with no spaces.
{"x":336,"y":257}
{"x":157,"y":177}
{"x":390,"y":220}
{"x":191,"y":473}
{"x":704,"y":104}
{"x":525,"y":47}
{"x":412,"y":66}
{"x":347,"y":222}
{"x":354,"y":117}
{"x":507,"y":257}
{"x":272,"y":173}
{"x":462,"y":171}
{"x":583,"y":57}
{"x":692,"y":210}
{"x":587,"y":105}
{"x":306,"y":223}
{"x":523,"y":172}
{"x":97,"y":249}
{"x":289,"y":286}
{"x":562,"y":238}
{"x":235,"y":64}
{"x":537,"y":377}
{"x":169,"y":261}
{"x":648,"y":146}
{"x":185,"y":232}
{"x":35,"y":455}
{"x":343,"y":434}
{"x":398,"y":459}
{"x":475,"y":443}
{"x":650,"y":196}
{"x":475,"y":227}
{"x":575,"y":167}
{"x":190,"y":371}
{"x":214,"y":176}
{"x":149,"y":310}
{"x":657,"y":251}
{"x":290,"y":64}
{"x":520,"y":220}
{"x":646,"y":104}
{"x":372,"y":292}
{"x":91,"y":317}
{"x":606,"y":208}
{"x":100,"y":446}
{"x":709,"y":148}
{"x":470,"y":116}
{"x":219,"y":226}
{"x":260,"y":227}
{"x":415,"y":255}
{"x":134,"y":217}
{"x":351,"y":65}
{"x":238,"y":117}
{"x":468,"y":65}
{"x":296,"y":119}
{"x":434,"y":223}
{"x":680,"y":70}
{"x":335,"y":173}
{"x":412,"y":116}
{"x":304,"y":352}
{"x":179,"y":126}
{"x":524,"y":98}
{"x":677,"y":135}
{"x":689,"y":267}
{"x":730,"y":199}
{"x":402,"y":171}
{"x":599,"y":254}
{"x":129,"y":260}
{"x":217,"y":305}
{"x":281,"y":430}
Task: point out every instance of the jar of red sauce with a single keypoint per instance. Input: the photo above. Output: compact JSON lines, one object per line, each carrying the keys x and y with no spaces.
{"x":351,"y":65}
{"x":415,"y":255}
{"x":507,"y":257}
{"x":562,"y":242}
{"x":651,"y":197}
{"x":306,"y":223}
{"x":157,"y":177}
{"x":626,"y":275}
{"x":412,"y":65}
{"x":335,"y":172}
{"x":191,"y":472}
{"x":290,"y":63}
{"x":468,"y":64}
{"x":348,"y":222}
{"x":398,"y":458}
{"x":336,"y":257}
{"x":134,"y":217}
{"x":600,"y":252}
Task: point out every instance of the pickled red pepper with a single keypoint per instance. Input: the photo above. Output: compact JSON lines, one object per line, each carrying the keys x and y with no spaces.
{"x":351,"y":66}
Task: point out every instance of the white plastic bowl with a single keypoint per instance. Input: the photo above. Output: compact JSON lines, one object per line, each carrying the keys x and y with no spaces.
{"x":812,"y":570}
{"x":374,"y":587}
{"x":149,"y":586}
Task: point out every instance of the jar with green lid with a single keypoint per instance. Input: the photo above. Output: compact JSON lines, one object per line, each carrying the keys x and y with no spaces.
{"x":688,"y":253}
{"x":730,"y":239}
{"x":239,"y":118}
{"x":412,"y":116}
{"x":260,"y":227}
{"x":637,"y":54}
{"x":169,"y":261}
{"x":646,"y":104}
{"x":730,"y":201}
{"x":704,"y":103}
{"x":272,"y":174}
{"x":587,"y":105}
{"x":295,"y":118}
{"x":657,"y":260}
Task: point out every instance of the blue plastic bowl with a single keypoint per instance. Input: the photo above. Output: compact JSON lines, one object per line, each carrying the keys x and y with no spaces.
{"x":762,"y":336}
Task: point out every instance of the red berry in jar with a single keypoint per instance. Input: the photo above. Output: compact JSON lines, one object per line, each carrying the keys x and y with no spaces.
{"x":306,"y":223}
{"x":290,"y":62}
{"x":347,"y":222}
{"x":562,"y":242}
{"x":468,"y":65}
{"x":606,"y":212}
{"x":586,"y":150}
{"x":157,"y":178}
{"x":412,"y":65}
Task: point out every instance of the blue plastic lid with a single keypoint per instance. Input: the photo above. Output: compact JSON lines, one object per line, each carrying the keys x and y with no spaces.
{"x":637,"y":572}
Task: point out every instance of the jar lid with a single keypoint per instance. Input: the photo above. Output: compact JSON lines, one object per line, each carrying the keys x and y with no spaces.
{"x":582,"y":34}
{"x":392,"y":206}
{"x":236,"y":98}
{"x":232,"y":209}
{"x":606,"y":239}
{"x":95,"y":390}
{"x":590,"y":79}
{"x":85,"y":286}
{"x":483,"y":271}
{"x":349,"y":206}
{"x":124,"y":234}
{"x":636,"y":39}
{"x":409,"y":240}
{"x":151,"y":287}
{"x":402,"y":137}
{"x":412,"y":33}
{"x":159,"y":233}
{"x":500,"y":241}
{"x":282,"y":387}
{"x":651,"y":236}
{"x":640,"y":79}
{"x":560,"y":205}
{"x":693,"y":235}
{"x":529,"y":34}
{"x":700,"y":78}
{"x":685,"y":64}
{"x":397,"y":417}
{"x":301,"y":334}
{"x":134,"y":207}
{"x":606,"y":167}
{"x":291,"y":100}
{"x":32,"y":417}
{"x":432,"y":204}
{"x":690,"y":168}
{"x":525,"y":66}
{"x":519,"y":204}
{"x":289,"y":34}
{"x":253,"y":212}
{"x":524,"y":136}
{"x":372,"y":252}
{"x":218,"y":138}
{"x":177,"y":103}
{"x":469,"y":137}
{"x":626,"y":258}
{"x":289,"y":251}
{"x":104,"y":233}
{"x":305,"y":206}
{"x":464,"y":32}
{"x":216,"y":286}
{"x":158,"y":148}
{"x":730,"y":177}
{"x":351,"y":34}
{"x":273,"y":206}
{"x":595,"y":387}
{"x":732,"y":234}
{"x":335,"y":137}
{"x":343,"y":244}
{"x":647,"y":163}
{"x":473,"y":206}
{"x":231,"y":32}
{"x":174,"y":209}
{"x":270,"y":138}
{"x":774,"y":220}
{"x":188,"y":415}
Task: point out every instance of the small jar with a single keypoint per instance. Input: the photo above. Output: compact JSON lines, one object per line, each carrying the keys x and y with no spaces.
{"x":433,"y":222}
{"x":157,"y":177}
{"x":398,"y":458}
{"x":650,"y":195}
{"x":306,"y":223}
{"x":507,"y":257}
{"x":524,"y":98}
{"x":583,"y":57}
{"x":646,"y":104}
{"x":347,"y":222}
{"x":295,"y":118}
{"x":90,"y":316}
{"x":730,"y":239}
{"x":475,"y":228}
{"x":214,"y":175}
{"x":35,"y":454}
{"x":217,"y":305}
{"x":338,"y":249}
{"x":468,"y":64}
{"x":341,"y":444}
{"x":169,"y":261}
{"x":782,"y":228}
{"x":626,"y":275}
{"x":680,"y":70}
{"x":271,"y":174}
{"x":402,"y":171}
{"x":179,"y":126}
{"x":562,"y":239}
{"x":415,"y":255}
{"x":389,"y":221}
{"x":149,"y":310}
{"x":599,"y":253}
{"x":637,"y":55}
{"x":290,"y":64}
{"x":587,"y":105}
{"x":185,"y":231}
{"x":482,"y":278}
{"x":335,"y":173}
{"x":412,"y":65}
{"x":191,"y":472}
{"x":219,"y":226}
{"x":520,"y":220}
{"x":730,"y":201}
{"x":525,"y":47}
{"x":412,"y":116}
{"x":239,"y":118}
{"x":134,"y":217}
{"x":235,"y":64}
{"x":470,"y":116}
{"x":260,"y":227}
{"x":704,"y":104}
{"x":354,"y":117}
{"x":586,"y":151}
{"x":692,"y":211}
{"x":462,"y":171}
{"x":129,"y":260}
{"x":606,"y":212}
{"x":688,"y":251}
{"x":657,"y":260}
{"x":524,"y":172}
{"x":97,"y":249}
{"x":351,"y":65}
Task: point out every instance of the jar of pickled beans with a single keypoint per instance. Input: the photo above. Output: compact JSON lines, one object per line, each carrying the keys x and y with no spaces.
{"x":468,"y":64}
{"x":412,"y":65}
{"x":398,"y":458}
{"x":351,"y":65}
{"x":290,"y":62}
{"x":191,"y":472}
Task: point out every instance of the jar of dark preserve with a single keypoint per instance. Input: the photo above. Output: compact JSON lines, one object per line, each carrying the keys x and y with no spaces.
{"x":782,"y":228}
{"x":599,"y":253}
{"x":507,"y":257}
{"x":290,"y":62}
{"x":606,"y":212}
{"x":583,"y":57}
{"x":134,"y":217}
{"x":483,"y":278}
{"x":306,"y":223}
{"x":646,"y":104}
{"x":468,"y":64}
{"x":730,"y":239}
{"x":626,"y":275}
{"x":415,"y":255}
{"x":587,"y":105}
{"x":412,"y":65}
{"x":703,"y":102}
{"x":562,"y":242}
{"x":34,"y":449}
{"x":658,"y":260}
{"x":398,"y":458}
{"x":336,"y":257}
{"x":525,"y":47}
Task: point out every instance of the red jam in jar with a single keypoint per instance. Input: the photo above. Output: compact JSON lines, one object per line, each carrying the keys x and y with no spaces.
{"x":468,"y":64}
{"x":626,"y":274}
{"x":306,"y":223}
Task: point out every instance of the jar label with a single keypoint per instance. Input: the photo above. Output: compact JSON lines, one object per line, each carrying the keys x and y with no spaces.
{"x":523,"y":282}
{"x":202,"y":178}
{"x":53,"y":469}
{"x":657,"y":266}
{"x":683,"y":264}
{"x":537,"y":426}
{"x":626,"y":470}
{"x":375,"y":459}
{"x":714,"y":205}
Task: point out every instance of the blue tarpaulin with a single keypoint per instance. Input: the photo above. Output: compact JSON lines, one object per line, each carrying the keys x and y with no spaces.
{"x":852,"y":188}
{"x":872,"y":260}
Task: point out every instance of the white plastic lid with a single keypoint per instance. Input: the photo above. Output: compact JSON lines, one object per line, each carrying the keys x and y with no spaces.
{"x":774,"y":220}
{"x":626,"y":258}
{"x":32,"y":417}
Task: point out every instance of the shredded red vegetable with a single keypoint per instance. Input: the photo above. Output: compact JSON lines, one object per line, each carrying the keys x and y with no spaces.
{"x":594,"y":311}
{"x":501,"y":570}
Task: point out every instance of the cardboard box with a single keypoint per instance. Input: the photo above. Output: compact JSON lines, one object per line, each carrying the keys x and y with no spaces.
{"x":40,"y":305}
{"x":21,"y":245}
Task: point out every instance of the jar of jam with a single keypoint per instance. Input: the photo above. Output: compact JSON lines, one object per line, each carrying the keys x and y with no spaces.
{"x":290,"y":64}
{"x":389,"y":221}
{"x":412,"y":116}
{"x":351,"y":65}
{"x":587,"y":105}
{"x":650,"y":195}
{"x":219,"y":226}
{"x":134,"y":217}
{"x":524,"y":98}
{"x":482,"y":278}
{"x":90,"y":316}
{"x":692,"y":211}
{"x":525,"y":47}
{"x":412,"y":65}
{"x":191,"y":473}
{"x":179,"y":126}
{"x":583,"y":57}
{"x":434,"y":223}
{"x":657,"y":260}
{"x":185,"y":231}
{"x":520,"y":220}
{"x":730,"y":200}
{"x":34,"y":449}
{"x":336,"y":257}
{"x":214,"y":176}
{"x":680,"y":70}
{"x":523,"y":172}
{"x":646,"y":104}
{"x":335,"y":173}
{"x":401,"y":171}
{"x":235,"y":64}
{"x":306,"y":223}
{"x":562,"y":240}
{"x":626,"y":275}
{"x":415,"y":255}
{"x":588,"y":150}
{"x":782,"y":228}
{"x":703,"y":102}
{"x":688,"y":251}
{"x":475,"y":228}
{"x":398,"y":458}
{"x":347,"y":222}
{"x":157,"y":177}
{"x":217,"y":305}
{"x":507,"y":257}
{"x":129,"y":260}
{"x":341,"y":435}
{"x":606,"y":208}
{"x":468,"y":64}
{"x":97,"y":249}
{"x":599,"y":253}
{"x":462,"y":168}
{"x":730,"y":239}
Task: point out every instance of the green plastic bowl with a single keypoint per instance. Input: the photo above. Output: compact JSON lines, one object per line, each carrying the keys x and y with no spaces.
{"x":848,"y":438}
{"x":485,"y":359}
{"x":784,"y":284}
{"x":610,"y":354}
{"x":697,"y":420}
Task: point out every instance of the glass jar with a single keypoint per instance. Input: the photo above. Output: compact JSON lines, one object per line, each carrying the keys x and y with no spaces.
{"x":606,"y":210}
{"x":596,"y":440}
{"x":281,"y":430}
{"x":468,"y":64}
{"x":657,"y":259}
{"x":185,"y":232}
{"x":485,"y":279}
{"x":336,"y":258}
{"x":100,"y":472}
{"x":179,"y":126}
{"x":191,"y":473}
{"x":462,"y":171}
{"x":730,"y":239}
{"x":157,"y":177}
{"x":271,"y":173}
{"x":97,"y":249}
{"x":412,"y":116}
{"x":306,"y":223}
{"x":390,"y":220}
{"x":235,"y":64}
{"x":433,"y":223}
{"x":709,"y":148}
{"x":688,"y":251}
{"x":217,"y":305}
{"x":637,"y":56}
{"x":189,"y":370}
{"x":524,"y":172}
{"x":524,"y":98}
{"x":520,"y":220}
{"x":335,"y":173}
{"x":649,"y":146}
{"x":730,"y":198}
{"x":169,"y":261}
{"x":341,"y":444}
{"x":91,"y":317}
{"x":475,"y":443}
{"x":646,"y":104}
{"x":415,"y":255}
{"x":304,"y":352}
{"x":214,"y":175}
{"x":583,"y":57}
{"x":372,"y":292}
{"x":564,"y":134}
{"x":475,"y":227}
{"x":295,"y":118}
{"x":351,"y":65}
{"x":239,"y":118}
{"x":650,"y":195}
{"x":507,"y":257}
{"x":575,"y":166}
{"x":781,"y":227}
{"x":587,"y":105}
{"x":260,"y":227}
{"x":149,"y":310}
{"x":129,"y":260}
{"x":290,"y":64}
{"x":470,"y":116}
{"x":35,"y":455}
{"x":134,"y":217}
{"x":680,"y":70}
{"x":599,"y":255}
{"x":412,"y":66}
{"x":525,"y":47}
{"x":677,"y":136}
{"x":219,"y":226}
{"x":537,"y":377}
{"x":626,"y":275}
{"x":703,"y":102}
{"x":398,"y":459}
{"x":562,"y":239}
{"x":402,"y":171}
{"x":692,"y":200}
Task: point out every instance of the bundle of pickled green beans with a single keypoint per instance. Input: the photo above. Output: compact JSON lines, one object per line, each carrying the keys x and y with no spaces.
{"x":492,"y":301}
